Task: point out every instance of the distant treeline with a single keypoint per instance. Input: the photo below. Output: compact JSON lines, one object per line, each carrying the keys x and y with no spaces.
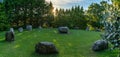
{"x":19,"y":13}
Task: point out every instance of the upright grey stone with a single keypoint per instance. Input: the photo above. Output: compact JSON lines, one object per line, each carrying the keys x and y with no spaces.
{"x":100,"y":45}
{"x":46,"y":48}
{"x":20,"y":29}
{"x":29,"y":27}
{"x":63,"y":30}
{"x":9,"y":36}
{"x":12,"y":30}
{"x":87,"y":28}
{"x":40,"y":27}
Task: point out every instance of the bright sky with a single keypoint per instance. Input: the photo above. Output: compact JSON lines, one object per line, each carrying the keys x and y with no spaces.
{"x":69,"y":3}
{"x":1,"y":0}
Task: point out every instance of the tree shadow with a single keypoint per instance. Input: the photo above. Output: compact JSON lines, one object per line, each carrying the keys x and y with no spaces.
{"x":2,"y":41}
{"x":34,"y":54}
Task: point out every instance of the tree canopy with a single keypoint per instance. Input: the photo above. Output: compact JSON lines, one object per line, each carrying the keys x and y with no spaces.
{"x":19,"y":13}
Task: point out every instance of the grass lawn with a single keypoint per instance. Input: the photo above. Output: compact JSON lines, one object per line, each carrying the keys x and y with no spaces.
{"x":77,"y":43}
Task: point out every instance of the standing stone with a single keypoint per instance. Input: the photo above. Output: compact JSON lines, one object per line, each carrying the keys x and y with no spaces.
{"x":87,"y":28}
{"x":40,"y":27}
{"x":20,"y":29}
{"x":45,"y":48}
{"x":9,"y":36}
{"x":76,"y":27}
{"x":12,"y":30}
{"x":63,"y":30}
{"x":100,"y":45}
{"x":97,"y":29}
{"x":29,"y":27}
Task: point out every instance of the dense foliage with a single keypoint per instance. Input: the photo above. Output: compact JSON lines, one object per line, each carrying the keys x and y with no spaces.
{"x":4,"y":24}
{"x":19,"y":13}
{"x":23,"y":12}
{"x":111,"y":22}
{"x":72,"y":18}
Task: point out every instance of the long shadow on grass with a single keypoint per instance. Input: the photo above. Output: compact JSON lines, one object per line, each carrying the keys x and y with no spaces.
{"x":2,"y":41}
{"x":5,"y":42}
{"x":44,"y":55}
{"x":108,"y":53}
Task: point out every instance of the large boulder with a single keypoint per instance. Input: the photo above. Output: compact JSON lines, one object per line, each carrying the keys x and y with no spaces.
{"x":46,"y":48}
{"x":20,"y":29}
{"x":29,"y":27}
{"x":63,"y":29}
{"x":100,"y":45}
{"x":9,"y":36}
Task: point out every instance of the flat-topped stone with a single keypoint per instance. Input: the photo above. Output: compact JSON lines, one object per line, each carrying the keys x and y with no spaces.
{"x":63,"y":30}
{"x":46,"y":48}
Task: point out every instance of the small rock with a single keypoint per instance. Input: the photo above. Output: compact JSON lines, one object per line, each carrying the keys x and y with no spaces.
{"x":29,"y":27}
{"x":20,"y":29}
{"x":97,"y":29}
{"x":76,"y":27}
{"x":40,"y":27}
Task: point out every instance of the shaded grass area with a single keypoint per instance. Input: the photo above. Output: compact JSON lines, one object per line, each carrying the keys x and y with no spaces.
{"x":77,"y":43}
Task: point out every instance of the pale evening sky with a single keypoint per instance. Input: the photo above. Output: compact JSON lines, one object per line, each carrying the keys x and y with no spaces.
{"x":66,"y":4}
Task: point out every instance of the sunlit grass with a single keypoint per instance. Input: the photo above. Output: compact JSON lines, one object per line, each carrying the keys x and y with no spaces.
{"x":77,"y":43}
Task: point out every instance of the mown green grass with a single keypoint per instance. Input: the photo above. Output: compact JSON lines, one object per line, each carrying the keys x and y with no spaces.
{"x":77,"y":43}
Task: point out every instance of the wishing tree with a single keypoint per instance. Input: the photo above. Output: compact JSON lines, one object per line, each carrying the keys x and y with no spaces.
{"x":111,"y":23}
{"x":112,"y":32}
